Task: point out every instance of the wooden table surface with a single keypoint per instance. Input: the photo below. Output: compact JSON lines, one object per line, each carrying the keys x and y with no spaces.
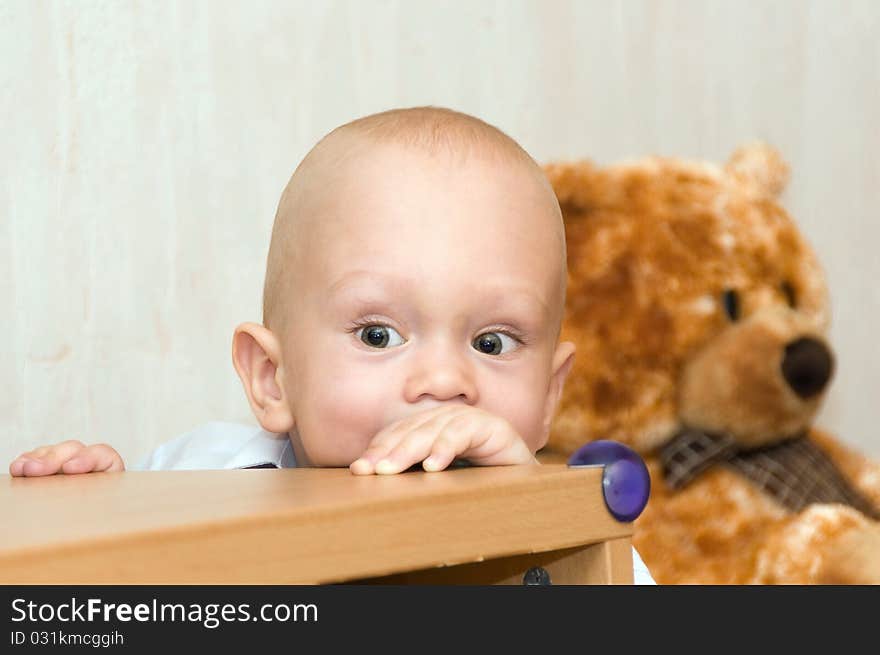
{"x":289,"y":526}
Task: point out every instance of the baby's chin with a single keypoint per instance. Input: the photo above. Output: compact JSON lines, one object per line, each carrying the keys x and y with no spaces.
{"x":333,"y":457}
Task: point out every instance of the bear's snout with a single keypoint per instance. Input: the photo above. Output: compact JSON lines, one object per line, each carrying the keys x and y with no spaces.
{"x":807,"y":366}
{"x":758,"y":380}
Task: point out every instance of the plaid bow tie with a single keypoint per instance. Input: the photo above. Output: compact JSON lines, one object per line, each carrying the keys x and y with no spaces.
{"x":795,"y":472}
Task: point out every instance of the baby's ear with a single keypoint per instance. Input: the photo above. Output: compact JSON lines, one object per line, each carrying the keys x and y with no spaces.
{"x":563,"y":359}
{"x":256,"y":355}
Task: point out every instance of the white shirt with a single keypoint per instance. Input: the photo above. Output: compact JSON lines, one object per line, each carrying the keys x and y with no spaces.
{"x":220,"y":445}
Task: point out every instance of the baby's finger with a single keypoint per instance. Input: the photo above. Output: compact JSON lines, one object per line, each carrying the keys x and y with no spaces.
{"x":498,"y":444}
{"x":366,"y":463}
{"x":414,"y":446}
{"x":46,"y":460}
{"x":459,"y":436}
{"x":92,"y":459}
{"x":16,"y":467}
{"x":443,"y":451}
{"x":393,"y":431}
{"x":389,"y":437}
{"x":480,"y":438}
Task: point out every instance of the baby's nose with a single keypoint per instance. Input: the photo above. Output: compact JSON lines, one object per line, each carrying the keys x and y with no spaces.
{"x":441,"y":375}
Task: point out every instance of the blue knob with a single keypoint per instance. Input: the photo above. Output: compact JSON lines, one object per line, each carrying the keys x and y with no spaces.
{"x":626,"y":484}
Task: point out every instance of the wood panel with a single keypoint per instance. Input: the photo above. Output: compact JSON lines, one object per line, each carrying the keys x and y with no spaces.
{"x":145,"y":146}
{"x":304,"y":525}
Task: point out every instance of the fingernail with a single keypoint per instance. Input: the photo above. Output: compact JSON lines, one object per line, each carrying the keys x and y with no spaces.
{"x":430,"y":464}
{"x":17,"y":467}
{"x":360,"y":466}
{"x":384,"y":466}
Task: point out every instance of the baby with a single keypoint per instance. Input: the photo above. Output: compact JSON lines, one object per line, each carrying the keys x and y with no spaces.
{"x":412,"y":307}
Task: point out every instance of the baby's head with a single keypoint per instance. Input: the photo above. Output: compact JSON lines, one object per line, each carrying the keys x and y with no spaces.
{"x":417,"y":258}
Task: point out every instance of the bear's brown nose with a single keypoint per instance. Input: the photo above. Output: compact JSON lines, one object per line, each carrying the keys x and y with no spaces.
{"x":807,"y":366}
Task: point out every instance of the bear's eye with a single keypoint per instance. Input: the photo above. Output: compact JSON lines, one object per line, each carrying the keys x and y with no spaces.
{"x":789,"y":293}
{"x":730,"y":302}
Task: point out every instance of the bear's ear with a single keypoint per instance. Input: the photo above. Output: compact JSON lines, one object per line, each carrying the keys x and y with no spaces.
{"x":760,"y":167}
{"x":576,"y":184}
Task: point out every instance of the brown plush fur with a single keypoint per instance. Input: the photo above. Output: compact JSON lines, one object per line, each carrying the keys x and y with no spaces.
{"x":652,"y":247}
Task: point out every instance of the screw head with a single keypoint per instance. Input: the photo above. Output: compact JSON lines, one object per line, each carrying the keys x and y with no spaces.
{"x":537,"y":575}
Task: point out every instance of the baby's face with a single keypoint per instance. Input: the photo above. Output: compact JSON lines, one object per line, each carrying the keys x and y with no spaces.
{"x":424,"y":281}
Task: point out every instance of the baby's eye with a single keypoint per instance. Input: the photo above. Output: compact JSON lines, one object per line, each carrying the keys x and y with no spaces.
{"x":380,"y":336}
{"x":493,"y":343}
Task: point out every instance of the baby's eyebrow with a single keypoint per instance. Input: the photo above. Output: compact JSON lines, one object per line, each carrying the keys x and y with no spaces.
{"x":385,"y":280}
{"x":493,"y":295}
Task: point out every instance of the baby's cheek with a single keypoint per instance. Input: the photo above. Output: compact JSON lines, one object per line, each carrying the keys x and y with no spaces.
{"x":523,"y":408}
{"x":530,"y":426}
{"x":344,"y":415}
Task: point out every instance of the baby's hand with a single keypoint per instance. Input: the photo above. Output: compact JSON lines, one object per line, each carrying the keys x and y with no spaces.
{"x":437,"y":436}
{"x":67,"y":457}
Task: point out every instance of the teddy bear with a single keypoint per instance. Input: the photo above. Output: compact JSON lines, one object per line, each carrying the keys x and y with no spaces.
{"x":700,"y":316}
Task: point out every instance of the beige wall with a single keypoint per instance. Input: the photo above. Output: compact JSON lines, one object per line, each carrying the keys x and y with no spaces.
{"x":144,"y":146}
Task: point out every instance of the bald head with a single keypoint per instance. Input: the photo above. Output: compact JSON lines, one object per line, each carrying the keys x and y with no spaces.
{"x":434,"y":133}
